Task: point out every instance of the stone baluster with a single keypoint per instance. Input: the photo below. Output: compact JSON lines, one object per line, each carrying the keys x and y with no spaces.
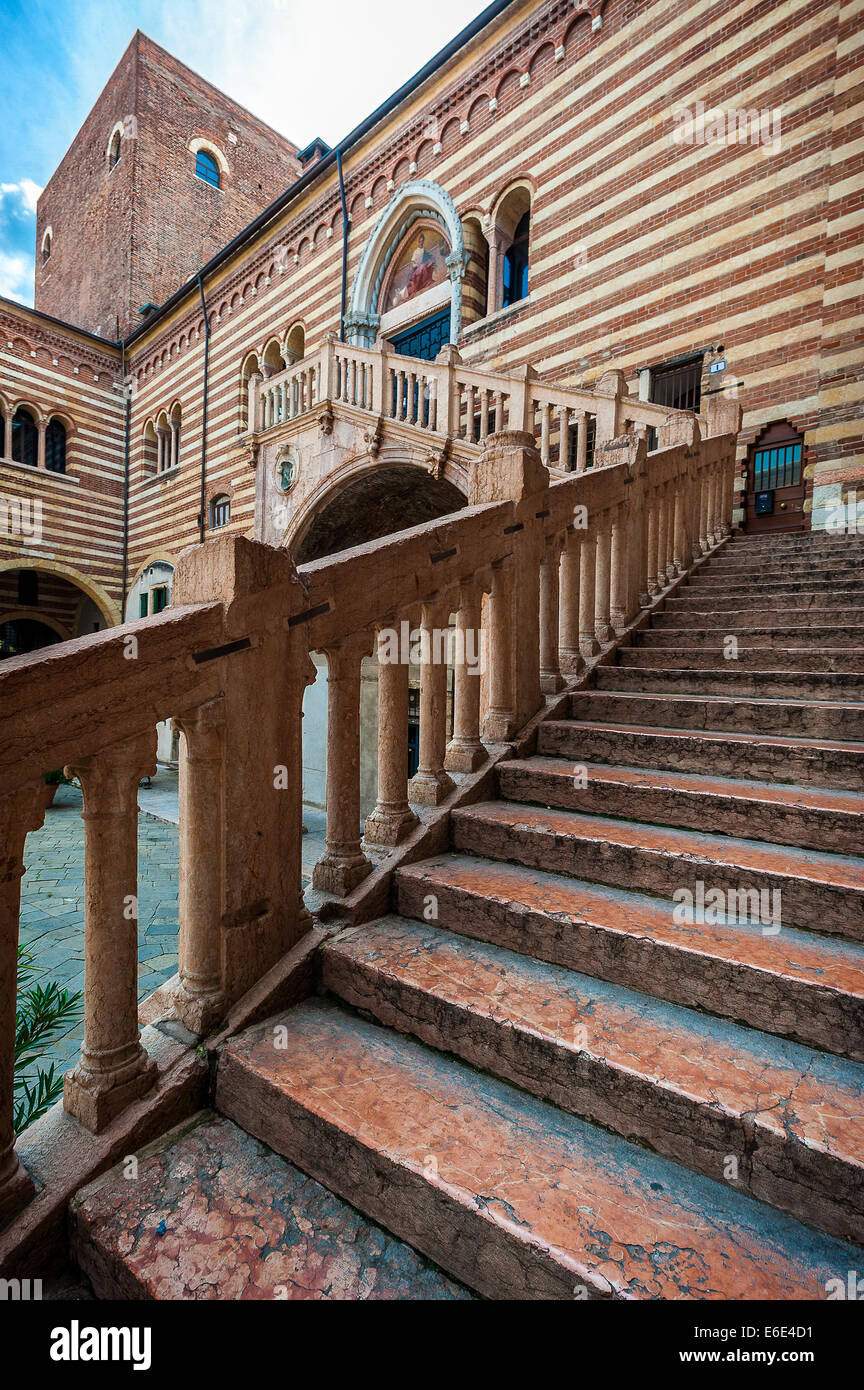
{"x":20,"y":812}
{"x":564,"y":438}
{"x":343,"y":864}
{"x":651,"y":544}
{"x":199,"y":999}
{"x":431,"y":783}
{"x":551,"y":679}
{"x":569,"y":654}
{"x":662,"y":535}
{"x":619,"y":571}
{"x":545,"y":429}
{"x":114,"y":1068}
{"x":392,"y":818}
{"x":587,"y":591}
{"x":500,"y":721}
{"x":679,"y":555}
{"x":603,"y":582}
{"x":465,"y":751}
{"x":581,"y":442}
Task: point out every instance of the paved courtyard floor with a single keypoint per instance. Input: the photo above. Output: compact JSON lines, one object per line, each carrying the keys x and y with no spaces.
{"x":52,"y":903}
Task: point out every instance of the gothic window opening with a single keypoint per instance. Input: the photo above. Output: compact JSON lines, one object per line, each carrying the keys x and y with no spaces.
{"x":114,"y":150}
{"x":25,"y":438}
{"x":55,"y":446}
{"x":220,"y":512}
{"x":515,"y":282}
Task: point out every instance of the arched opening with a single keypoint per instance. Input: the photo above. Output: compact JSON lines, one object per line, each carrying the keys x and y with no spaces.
{"x":174,"y":421}
{"x":25,"y":437}
{"x":509,"y":240}
{"x":47,"y":242}
{"x":272,"y":360}
{"x":149,"y":448}
{"x":207,"y":168}
{"x":295,"y":343}
{"x":475,"y":287}
{"x":249,"y":369}
{"x":39,"y":606}
{"x":376,"y":504}
{"x":220,"y":511}
{"x":21,"y":635}
{"x":114,"y":149}
{"x":55,"y":446}
{"x":410,"y":272}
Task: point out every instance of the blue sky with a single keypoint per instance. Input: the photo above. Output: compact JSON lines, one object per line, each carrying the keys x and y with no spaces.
{"x":305,"y":69}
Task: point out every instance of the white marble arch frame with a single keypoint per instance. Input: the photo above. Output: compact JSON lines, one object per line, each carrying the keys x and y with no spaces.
{"x":416,"y":199}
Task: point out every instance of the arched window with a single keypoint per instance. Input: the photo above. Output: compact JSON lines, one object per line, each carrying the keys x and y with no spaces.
{"x":150,"y":451}
{"x":114,"y":150}
{"x":295,"y":343}
{"x":25,"y":438}
{"x":174,"y":442}
{"x":515,"y":283}
{"x":249,"y":369}
{"x":55,"y":446}
{"x":206,"y":167}
{"x":220,"y":511}
{"x":46,"y":245}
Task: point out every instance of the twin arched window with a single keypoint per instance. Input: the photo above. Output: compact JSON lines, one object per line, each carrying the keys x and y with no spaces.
{"x":207,"y":168}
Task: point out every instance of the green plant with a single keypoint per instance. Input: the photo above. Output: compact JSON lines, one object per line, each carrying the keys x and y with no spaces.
{"x":42,"y":1011}
{"x":57,"y":778}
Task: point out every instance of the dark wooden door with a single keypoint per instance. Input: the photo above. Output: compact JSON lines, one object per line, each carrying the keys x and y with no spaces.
{"x":775,"y":481}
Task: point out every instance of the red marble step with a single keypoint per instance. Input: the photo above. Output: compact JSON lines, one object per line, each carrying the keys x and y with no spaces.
{"x":729,"y":571}
{"x":767,"y":588}
{"x":731,"y":679}
{"x":214,"y":1214}
{"x":819,"y":891}
{"x":815,"y":636}
{"x":829,"y":763}
{"x":811,"y":543}
{"x":797,"y":984}
{"x":758,"y":618}
{"x":710,"y":658}
{"x":758,"y":602}
{"x":809,"y":817}
{"x":513,"y":1197}
{"x":694,"y":1088}
{"x":834,"y":719}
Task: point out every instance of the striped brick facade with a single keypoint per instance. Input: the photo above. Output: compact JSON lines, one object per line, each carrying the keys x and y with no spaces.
{"x":644,"y":248}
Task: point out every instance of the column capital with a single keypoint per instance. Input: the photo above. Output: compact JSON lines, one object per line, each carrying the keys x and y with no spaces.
{"x":109,"y":779}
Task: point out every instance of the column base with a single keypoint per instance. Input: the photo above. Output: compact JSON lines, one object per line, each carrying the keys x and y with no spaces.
{"x":498,"y":726}
{"x":337,"y":875}
{"x":588,"y":646}
{"x":97,"y":1098}
{"x":571,"y":662}
{"x":16,"y":1187}
{"x":429,"y":788}
{"x":619,"y":622}
{"x":197,"y":1012}
{"x":464,"y":756}
{"x":604,"y":633}
{"x":385,"y":827}
{"x":551,"y":682}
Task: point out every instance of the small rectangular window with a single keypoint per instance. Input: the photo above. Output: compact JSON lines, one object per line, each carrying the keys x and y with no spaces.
{"x":143,"y":605}
{"x":160,"y":597}
{"x":678,"y":385}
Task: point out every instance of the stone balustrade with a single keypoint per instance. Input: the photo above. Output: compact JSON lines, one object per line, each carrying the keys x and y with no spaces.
{"x":449,"y":398}
{"x":527,"y":582}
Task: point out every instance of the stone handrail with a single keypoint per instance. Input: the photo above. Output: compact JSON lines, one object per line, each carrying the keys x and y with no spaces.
{"x":450,"y":398}
{"x":540,"y":574}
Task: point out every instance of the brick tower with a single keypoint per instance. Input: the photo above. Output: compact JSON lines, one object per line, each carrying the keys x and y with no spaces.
{"x":165,"y":170}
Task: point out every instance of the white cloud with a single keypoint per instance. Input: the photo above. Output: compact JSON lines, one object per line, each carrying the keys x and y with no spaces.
{"x":16,"y":277}
{"x":27,"y":193}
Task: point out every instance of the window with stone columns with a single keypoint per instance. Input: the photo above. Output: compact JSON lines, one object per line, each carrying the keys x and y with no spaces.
{"x":149,"y":448}
{"x":55,"y":446}
{"x":250,"y":368}
{"x":25,"y":437}
{"x":508,"y":233}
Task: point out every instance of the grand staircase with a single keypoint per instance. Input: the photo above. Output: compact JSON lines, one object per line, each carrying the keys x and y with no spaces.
{"x":611,"y":1043}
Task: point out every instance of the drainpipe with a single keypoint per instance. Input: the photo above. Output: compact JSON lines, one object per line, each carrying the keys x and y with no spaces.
{"x":127,"y":431}
{"x":344,"y":246}
{"x":203,"y":498}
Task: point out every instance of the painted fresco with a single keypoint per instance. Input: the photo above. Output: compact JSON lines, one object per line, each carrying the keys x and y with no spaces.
{"x":421,"y":263}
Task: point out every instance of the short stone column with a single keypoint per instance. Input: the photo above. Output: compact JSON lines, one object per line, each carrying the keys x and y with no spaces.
{"x":679,"y":551}
{"x":431,"y":783}
{"x":41,"y":443}
{"x":570,"y":657}
{"x":662,"y":535}
{"x":114,"y":1069}
{"x":651,"y":545}
{"x":20,"y":812}
{"x":198,"y":999}
{"x":619,"y":572}
{"x":587,"y":588}
{"x":551,"y":679}
{"x":500,"y":721}
{"x":602,"y":582}
{"x":392,"y":817}
{"x":343,"y":864}
{"x":465,"y":751}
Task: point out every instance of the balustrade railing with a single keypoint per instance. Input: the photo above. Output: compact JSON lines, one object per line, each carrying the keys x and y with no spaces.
{"x":531,"y":579}
{"x":450,"y":398}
